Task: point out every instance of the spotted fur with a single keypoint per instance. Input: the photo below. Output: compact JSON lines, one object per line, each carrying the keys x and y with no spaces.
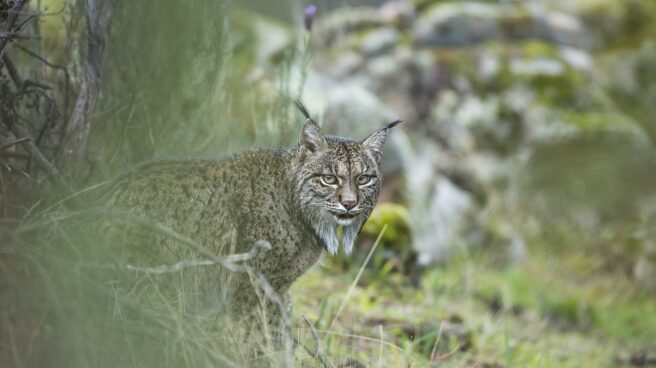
{"x":280,"y":196}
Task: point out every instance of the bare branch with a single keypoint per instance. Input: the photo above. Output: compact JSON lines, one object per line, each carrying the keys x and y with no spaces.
{"x":13,"y":142}
{"x":318,"y":354}
{"x":232,"y":258}
{"x":40,"y":58}
{"x":13,"y":72}
{"x":43,"y":162}
{"x":22,"y":36}
{"x":5,"y":35}
{"x":172,"y":268}
{"x":37,"y":14}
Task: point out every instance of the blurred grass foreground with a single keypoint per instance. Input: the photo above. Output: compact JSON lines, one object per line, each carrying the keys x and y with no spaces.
{"x":517,"y":222}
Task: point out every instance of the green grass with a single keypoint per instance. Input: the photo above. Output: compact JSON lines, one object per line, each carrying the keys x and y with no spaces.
{"x":544,"y":312}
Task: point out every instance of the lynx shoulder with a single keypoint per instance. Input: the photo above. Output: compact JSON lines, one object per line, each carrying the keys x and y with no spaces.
{"x":294,"y":199}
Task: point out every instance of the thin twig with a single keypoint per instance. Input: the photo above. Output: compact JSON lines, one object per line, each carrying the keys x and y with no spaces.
{"x":382,"y":345}
{"x":10,"y":21}
{"x":179,"y":266}
{"x":22,"y":36}
{"x":307,"y":350}
{"x":437,"y":341}
{"x":12,"y":142}
{"x":170,"y":268}
{"x":41,"y":58}
{"x":10,"y":168}
{"x":313,"y":330}
{"x":33,"y":149}
{"x":446,"y":355}
{"x":18,"y":131}
{"x":29,"y":83}
{"x":13,"y":72}
{"x":232,"y":258}
{"x":319,"y":355}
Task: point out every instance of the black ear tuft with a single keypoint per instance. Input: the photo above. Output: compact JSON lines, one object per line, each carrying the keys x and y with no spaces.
{"x":393,"y":124}
{"x":301,"y":107}
{"x":311,"y":139}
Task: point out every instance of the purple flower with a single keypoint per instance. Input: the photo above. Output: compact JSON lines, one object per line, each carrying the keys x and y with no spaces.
{"x":309,"y":12}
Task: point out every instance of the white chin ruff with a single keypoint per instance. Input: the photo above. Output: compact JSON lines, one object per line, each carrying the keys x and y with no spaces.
{"x":344,"y":222}
{"x":327,"y":231}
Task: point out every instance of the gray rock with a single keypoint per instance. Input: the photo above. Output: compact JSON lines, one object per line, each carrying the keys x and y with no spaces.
{"x":333,"y":27}
{"x":559,"y":28}
{"x":457,"y":24}
{"x":400,"y":13}
{"x":577,"y":59}
{"x":540,"y":66}
{"x":466,"y":23}
{"x":378,"y":41}
{"x":345,"y":108}
{"x":438,"y":208}
{"x":345,"y":64}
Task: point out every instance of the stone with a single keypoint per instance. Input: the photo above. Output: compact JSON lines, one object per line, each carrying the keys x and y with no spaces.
{"x":457,"y":24}
{"x":346,"y":108}
{"x":399,"y":13}
{"x":466,"y":23}
{"x":378,"y":41}
{"x":332,"y":28}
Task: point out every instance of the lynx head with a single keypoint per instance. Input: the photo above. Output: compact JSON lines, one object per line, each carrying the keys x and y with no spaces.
{"x":337,"y":181}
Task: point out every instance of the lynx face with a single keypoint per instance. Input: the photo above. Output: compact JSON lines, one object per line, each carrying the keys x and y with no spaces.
{"x":337,"y":182}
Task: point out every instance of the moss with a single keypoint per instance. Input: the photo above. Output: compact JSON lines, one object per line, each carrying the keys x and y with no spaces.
{"x":460,"y":61}
{"x":559,"y":89}
{"x":629,"y":78}
{"x":599,"y":121}
{"x":533,"y":49}
{"x":517,"y":22}
{"x":421,"y":5}
{"x":52,"y":29}
{"x":621,"y":25}
{"x":398,"y":234}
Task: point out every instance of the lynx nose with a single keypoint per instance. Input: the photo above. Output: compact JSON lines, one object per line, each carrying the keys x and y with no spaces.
{"x":348,"y":203}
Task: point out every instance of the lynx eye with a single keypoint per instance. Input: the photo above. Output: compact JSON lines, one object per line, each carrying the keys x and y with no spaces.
{"x":329,"y":179}
{"x":364,"y":180}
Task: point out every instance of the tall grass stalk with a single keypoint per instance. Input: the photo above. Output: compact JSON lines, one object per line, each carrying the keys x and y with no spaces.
{"x":357,"y":278}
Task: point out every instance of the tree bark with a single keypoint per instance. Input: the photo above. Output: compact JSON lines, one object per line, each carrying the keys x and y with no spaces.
{"x":76,"y":132}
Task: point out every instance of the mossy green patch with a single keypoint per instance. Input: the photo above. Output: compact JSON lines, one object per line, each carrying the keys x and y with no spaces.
{"x":395,"y":216}
{"x":599,"y":121}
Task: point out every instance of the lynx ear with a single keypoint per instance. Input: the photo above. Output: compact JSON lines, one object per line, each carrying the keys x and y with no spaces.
{"x":375,"y":142}
{"x":311,"y":139}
